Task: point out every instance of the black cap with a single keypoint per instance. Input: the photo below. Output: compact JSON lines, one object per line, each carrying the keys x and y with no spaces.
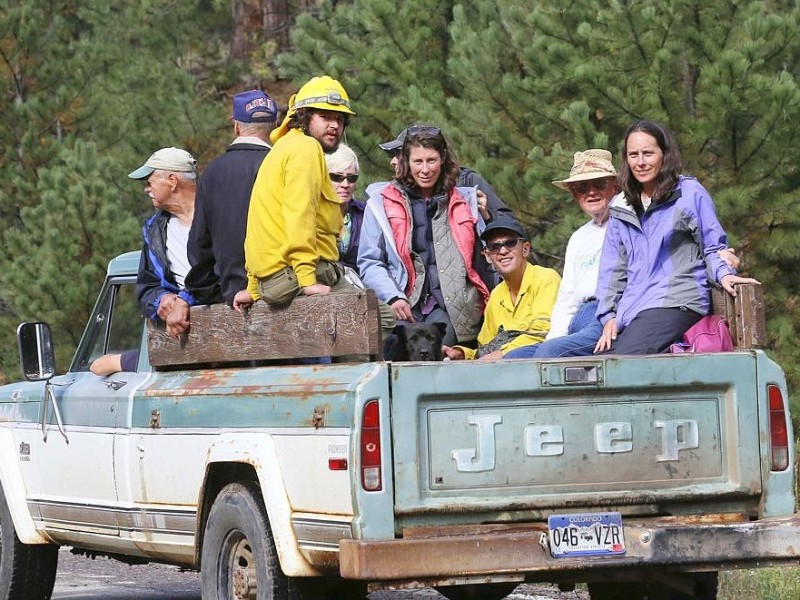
{"x":395,"y":144}
{"x":506,"y":223}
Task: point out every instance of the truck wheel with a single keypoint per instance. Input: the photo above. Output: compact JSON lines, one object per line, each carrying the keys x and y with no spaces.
{"x":239,"y":560}
{"x":477,"y":591}
{"x":27,"y":571}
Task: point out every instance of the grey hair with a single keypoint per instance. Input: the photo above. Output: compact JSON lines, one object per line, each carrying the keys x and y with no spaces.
{"x":341,"y":160}
{"x":189,"y":176}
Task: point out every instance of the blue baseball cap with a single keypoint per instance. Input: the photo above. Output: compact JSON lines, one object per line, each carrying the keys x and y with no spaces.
{"x":254,"y":106}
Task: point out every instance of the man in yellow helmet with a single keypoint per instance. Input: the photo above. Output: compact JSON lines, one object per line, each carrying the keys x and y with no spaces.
{"x":295,"y":215}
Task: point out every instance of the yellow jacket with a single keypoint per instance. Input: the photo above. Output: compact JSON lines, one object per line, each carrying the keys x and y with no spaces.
{"x":537,"y":295}
{"x":295,"y":216}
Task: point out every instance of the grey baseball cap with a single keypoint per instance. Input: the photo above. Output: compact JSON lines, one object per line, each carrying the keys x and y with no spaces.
{"x":166,"y":159}
{"x":395,"y":144}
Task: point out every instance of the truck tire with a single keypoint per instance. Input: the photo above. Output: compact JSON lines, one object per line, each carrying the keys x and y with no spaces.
{"x":239,"y":559}
{"x":478,"y":591}
{"x":27,"y":571}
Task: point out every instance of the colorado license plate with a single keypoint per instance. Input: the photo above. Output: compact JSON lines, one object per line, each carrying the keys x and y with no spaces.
{"x":587,"y":534}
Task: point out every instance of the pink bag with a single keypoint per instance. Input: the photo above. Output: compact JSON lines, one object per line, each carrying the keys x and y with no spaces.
{"x":709,"y":334}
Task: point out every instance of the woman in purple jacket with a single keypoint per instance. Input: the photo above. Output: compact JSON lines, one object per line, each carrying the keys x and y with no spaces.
{"x":660,"y":249}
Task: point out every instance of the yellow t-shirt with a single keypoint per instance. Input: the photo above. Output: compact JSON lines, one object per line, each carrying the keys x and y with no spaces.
{"x":531,"y":313}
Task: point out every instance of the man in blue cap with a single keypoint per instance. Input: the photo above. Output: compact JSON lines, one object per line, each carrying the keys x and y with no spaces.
{"x":519,"y":308}
{"x":216,"y":240}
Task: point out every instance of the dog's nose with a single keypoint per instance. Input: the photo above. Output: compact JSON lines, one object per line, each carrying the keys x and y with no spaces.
{"x":424,"y":354}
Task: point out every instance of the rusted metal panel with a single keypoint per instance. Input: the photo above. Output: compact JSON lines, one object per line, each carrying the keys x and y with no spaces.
{"x":678,"y":545}
{"x":513,"y":436}
{"x":340,"y":324}
{"x":279,"y":396}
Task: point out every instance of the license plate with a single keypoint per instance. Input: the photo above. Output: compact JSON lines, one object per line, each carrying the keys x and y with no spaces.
{"x":586,"y":534}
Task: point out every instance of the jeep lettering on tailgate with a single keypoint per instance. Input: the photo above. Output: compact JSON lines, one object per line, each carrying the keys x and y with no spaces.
{"x":548,"y":440}
{"x":665,"y":443}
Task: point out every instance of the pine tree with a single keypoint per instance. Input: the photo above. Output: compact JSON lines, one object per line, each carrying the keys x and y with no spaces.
{"x":83,"y":79}
{"x":58,"y":255}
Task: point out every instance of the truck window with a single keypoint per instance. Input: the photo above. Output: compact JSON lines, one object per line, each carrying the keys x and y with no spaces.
{"x":115,"y":326}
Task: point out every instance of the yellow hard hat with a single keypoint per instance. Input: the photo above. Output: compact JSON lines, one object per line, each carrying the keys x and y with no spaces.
{"x":323,"y":93}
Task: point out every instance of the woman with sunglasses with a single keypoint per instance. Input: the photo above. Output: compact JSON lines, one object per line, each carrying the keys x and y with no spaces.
{"x":661,"y":247}
{"x":419,"y":247}
{"x":519,"y":308}
{"x":343,"y":171}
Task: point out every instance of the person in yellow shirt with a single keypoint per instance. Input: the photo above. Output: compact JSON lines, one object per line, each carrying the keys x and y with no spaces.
{"x":519,"y":308}
{"x":295,"y":215}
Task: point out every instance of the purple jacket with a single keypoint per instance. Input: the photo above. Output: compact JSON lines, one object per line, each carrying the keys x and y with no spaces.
{"x":663,"y":261}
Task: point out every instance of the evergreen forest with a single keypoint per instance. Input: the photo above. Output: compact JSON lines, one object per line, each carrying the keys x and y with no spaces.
{"x":91,"y":88}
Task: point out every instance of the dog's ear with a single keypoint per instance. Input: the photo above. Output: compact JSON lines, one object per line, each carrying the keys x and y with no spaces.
{"x":400,"y":332}
{"x":442,"y":327}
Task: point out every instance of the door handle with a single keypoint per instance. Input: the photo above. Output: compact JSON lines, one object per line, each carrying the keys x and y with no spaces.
{"x":114,"y":384}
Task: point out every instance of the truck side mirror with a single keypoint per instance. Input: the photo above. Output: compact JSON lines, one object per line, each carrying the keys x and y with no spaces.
{"x":36,"y":353}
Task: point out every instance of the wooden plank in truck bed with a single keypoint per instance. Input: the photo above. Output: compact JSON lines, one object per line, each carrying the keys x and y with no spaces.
{"x":745,"y":314}
{"x":340,"y":324}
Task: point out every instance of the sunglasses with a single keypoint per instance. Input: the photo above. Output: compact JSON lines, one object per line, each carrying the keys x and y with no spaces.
{"x":423,"y":130}
{"x":338,"y":178}
{"x":601,"y":185}
{"x":509,"y":244}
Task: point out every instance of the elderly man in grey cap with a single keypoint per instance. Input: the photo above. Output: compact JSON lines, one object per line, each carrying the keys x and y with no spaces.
{"x":170,"y":175}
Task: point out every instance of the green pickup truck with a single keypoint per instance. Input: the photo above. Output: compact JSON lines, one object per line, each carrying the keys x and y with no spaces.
{"x":642,"y":476}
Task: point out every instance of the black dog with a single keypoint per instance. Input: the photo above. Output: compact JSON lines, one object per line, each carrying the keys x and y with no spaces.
{"x":419,"y":341}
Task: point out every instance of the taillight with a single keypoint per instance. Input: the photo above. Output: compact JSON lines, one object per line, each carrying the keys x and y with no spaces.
{"x":778,"y":430}
{"x":371,"y":479}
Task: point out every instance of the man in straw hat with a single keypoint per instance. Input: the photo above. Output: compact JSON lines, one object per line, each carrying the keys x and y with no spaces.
{"x":574,"y":327}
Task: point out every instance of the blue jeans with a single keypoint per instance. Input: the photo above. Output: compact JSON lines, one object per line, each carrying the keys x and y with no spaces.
{"x":582,"y":335}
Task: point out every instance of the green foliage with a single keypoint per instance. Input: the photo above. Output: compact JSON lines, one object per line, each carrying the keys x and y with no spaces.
{"x":91,"y":88}
{"x":519,"y":86}
{"x":768,"y":584}
{"x":57,"y":257}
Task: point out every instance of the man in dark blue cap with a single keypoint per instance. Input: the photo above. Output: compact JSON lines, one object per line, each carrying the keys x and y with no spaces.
{"x":216,"y":240}
{"x":519,"y":308}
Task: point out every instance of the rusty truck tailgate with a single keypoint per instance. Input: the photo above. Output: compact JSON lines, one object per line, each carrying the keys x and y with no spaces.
{"x":533,"y":436}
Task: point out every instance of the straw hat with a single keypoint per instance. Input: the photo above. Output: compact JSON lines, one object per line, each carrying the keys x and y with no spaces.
{"x":591,"y":164}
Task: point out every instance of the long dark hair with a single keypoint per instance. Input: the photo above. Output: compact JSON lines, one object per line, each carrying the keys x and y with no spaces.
{"x":671,"y":165}
{"x":424,"y":136}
